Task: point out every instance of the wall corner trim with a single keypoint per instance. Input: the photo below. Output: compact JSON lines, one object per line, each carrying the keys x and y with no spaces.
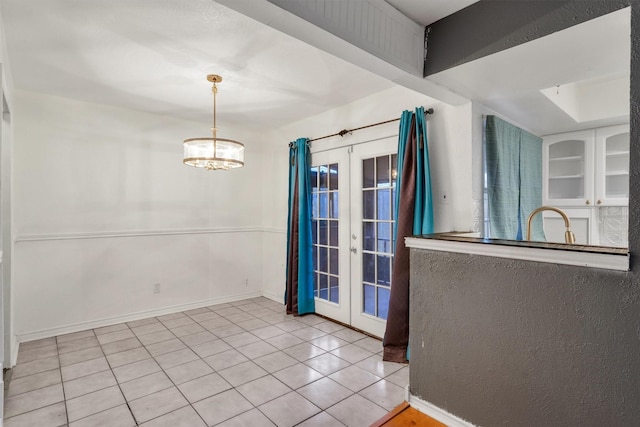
{"x":437,"y":413}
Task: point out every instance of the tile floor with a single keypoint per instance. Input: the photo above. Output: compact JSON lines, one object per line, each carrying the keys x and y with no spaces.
{"x":244,"y":363}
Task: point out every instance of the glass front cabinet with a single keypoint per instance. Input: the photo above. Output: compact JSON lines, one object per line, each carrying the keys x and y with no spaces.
{"x":587,"y":168}
{"x":586,"y":174}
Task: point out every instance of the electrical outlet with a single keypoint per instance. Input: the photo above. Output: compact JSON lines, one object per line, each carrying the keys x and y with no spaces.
{"x":444,"y":198}
{"x":156,"y":288}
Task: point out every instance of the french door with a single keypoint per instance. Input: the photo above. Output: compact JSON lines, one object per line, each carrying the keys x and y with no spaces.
{"x":353,"y":189}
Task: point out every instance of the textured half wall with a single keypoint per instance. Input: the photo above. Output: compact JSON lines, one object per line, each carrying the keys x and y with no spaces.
{"x":505,"y":342}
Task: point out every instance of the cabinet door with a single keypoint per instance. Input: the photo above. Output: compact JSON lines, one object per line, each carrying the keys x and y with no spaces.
{"x":567,"y":161}
{"x":582,"y":225}
{"x":612,"y":166}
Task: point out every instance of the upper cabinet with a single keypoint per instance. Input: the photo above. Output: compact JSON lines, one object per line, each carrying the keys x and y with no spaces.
{"x":587,"y":168}
{"x":612,"y":166}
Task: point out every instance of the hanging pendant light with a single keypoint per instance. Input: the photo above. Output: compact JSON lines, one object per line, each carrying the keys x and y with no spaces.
{"x":213,"y":153}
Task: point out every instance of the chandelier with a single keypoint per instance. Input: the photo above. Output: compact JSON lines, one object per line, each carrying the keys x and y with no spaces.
{"x":213,"y":153}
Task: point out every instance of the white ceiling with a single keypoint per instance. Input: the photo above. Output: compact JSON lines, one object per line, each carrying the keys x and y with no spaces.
{"x":427,"y":12}
{"x":154,"y":55}
{"x":509,"y":82}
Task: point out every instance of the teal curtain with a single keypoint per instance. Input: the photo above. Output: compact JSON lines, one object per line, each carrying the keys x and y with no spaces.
{"x":513,"y":159}
{"x":299,"y":285}
{"x":413,"y":214}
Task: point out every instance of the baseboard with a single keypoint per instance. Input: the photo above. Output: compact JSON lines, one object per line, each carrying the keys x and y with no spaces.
{"x":273,"y":297}
{"x":437,"y":413}
{"x":82,"y":326}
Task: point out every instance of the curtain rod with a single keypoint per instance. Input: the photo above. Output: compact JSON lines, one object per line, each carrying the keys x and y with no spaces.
{"x":343,"y":132}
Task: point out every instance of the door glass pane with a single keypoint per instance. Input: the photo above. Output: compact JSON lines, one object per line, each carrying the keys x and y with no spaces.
{"x":325,"y":226}
{"x":368,"y":173}
{"x":377,"y":227}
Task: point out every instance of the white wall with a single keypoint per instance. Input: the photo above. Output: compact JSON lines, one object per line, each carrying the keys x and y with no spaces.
{"x":450,"y":158}
{"x":104,"y":209}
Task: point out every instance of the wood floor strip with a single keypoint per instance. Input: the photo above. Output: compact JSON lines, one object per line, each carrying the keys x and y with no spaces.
{"x":404,"y":415}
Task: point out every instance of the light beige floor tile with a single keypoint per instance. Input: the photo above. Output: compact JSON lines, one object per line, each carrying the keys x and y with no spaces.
{"x":89,"y":384}
{"x":203,"y":387}
{"x":123,"y":345}
{"x":163,"y":347}
{"x":188,"y":371}
{"x":36,"y":366}
{"x":351,"y":353}
{"x":400,"y":377}
{"x":225,"y":359}
{"x":263,"y":390}
{"x":143,"y":386}
{"x":275,"y":361}
{"x":281,"y":411}
{"x":136,"y":370}
{"x":321,"y":420}
{"x":354,"y":378}
{"x":241,"y":339}
{"x":120,"y":416}
{"x":175,"y":358}
{"x":25,"y":402}
{"x":170,"y":316}
{"x":328,"y":342}
{"x":252,"y":324}
{"x":196,"y":311}
{"x":356,"y":411}
{"x":82,"y":369}
{"x":214,"y":325}
{"x":248,"y":419}
{"x":74,"y":336}
{"x":304,"y":351}
{"x":142,"y":322}
{"x":324,"y":392}
{"x":175,"y":323}
{"x":80,"y":356}
{"x":211,"y":347}
{"x":156,"y":404}
{"x":384,"y":393}
{"x":242,"y":373}
{"x":201,"y":317}
{"x":149,"y":329}
{"x":95,"y":402}
{"x":267,"y":332}
{"x":257,"y":349}
{"x":297,"y":376}
{"x":183,"y":417}
{"x":37,"y":343}
{"x":34,"y":382}
{"x":376,"y":366}
{"x":348,"y":335}
{"x":115,"y":336}
{"x":290,"y":325}
{"x":308,"y":333}
{"x":228,"y":311}
{"x":329,"y":327}
{"x":50,"y":416}
{"x":327,"y":363}
{"x":311,"y":319}
{"x":222,"y":406}
{"x":37,"y":353}
{"x":239,"y":317}
{"x":226,"y":330}
{"x":79,"y":344}
{"x":183,"y":331}
{"x":112,"y":328}
{"x":156,"y":337}
{"x":284,"y":341}
{"x":371,"y":344}
{"x":198,"y":338}
{"x":128,"y":356}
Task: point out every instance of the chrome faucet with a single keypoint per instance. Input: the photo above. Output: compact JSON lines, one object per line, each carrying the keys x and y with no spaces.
{"x":569,"y":237}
